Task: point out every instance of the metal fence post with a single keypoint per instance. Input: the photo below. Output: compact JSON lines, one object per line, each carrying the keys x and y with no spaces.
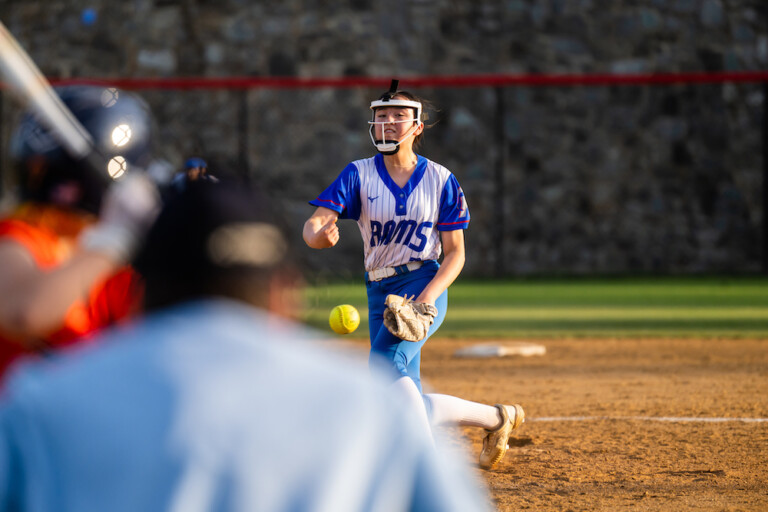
{"x":243,"y":158}
{"x":765,"y":178}
{"x":499,"y":227}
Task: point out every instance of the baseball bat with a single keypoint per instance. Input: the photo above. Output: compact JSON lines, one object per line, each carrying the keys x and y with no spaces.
{"x":33,"y":91}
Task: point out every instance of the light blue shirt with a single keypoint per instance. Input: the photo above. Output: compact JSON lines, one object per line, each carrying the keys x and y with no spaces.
{"x":216,"y":406}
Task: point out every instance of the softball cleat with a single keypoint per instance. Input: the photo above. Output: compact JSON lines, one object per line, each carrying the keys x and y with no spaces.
{"x":496,"y":442}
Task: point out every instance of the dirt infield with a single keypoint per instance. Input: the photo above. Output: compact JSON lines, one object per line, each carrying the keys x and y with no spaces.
{"x":622,"y":424}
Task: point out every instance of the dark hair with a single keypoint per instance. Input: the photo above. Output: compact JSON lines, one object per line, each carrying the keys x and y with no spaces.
{"x":213,"y":239}
{"x":424,"y":114}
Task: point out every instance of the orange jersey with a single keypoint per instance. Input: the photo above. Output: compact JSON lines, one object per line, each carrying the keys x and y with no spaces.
{"x":49,"y":235}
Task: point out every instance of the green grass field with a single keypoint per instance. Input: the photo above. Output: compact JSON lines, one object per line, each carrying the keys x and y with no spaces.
{"x":622,"y":307}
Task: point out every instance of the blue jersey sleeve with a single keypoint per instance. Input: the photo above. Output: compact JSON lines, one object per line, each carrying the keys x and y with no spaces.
{"x":343,"y":195}
{"x":454,"y":213}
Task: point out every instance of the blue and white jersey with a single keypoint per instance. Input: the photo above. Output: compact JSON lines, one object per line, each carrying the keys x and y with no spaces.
{"x":398,"y":225}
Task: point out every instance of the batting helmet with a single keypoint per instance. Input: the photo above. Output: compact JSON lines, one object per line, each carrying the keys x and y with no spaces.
{"x":193,"y":162}
{"x":120,"y":125}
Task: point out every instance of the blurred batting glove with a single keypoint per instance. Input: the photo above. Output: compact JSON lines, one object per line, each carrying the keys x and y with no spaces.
{"x":128,"y":209}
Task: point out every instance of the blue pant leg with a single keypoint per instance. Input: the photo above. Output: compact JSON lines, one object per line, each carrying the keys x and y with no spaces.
{"x":414,"y":367}
{"x":401,"y":358}
{"x":380,"y":357}
{"x":376,"y":296}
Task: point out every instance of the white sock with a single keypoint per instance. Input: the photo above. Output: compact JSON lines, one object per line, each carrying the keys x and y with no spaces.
{"x":450,"y":410}
{"x":410,"y":394}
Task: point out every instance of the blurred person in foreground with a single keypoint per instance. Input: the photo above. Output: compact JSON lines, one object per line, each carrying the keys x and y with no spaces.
{"x":64,"y":247}
{"x":215,"y":400}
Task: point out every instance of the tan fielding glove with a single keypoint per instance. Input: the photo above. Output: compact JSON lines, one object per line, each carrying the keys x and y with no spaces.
{"x":406,"y":319}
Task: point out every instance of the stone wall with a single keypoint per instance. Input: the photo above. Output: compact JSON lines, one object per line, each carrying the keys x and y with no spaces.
{"x":560,"y":180}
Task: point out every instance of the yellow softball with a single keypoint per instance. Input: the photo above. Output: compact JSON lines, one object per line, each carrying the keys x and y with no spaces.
{"x":344,"y":319}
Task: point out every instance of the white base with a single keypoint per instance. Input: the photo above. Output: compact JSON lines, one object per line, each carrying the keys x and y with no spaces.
{"x":501,"y":350}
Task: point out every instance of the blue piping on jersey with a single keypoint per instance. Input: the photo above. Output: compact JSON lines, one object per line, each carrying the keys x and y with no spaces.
{"x":413,"y":182}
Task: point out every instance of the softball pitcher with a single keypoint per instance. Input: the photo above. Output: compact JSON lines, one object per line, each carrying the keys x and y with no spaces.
{"x":409,"y":210}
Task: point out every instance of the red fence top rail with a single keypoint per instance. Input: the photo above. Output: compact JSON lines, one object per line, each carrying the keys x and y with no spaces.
{"x":499,"y":80}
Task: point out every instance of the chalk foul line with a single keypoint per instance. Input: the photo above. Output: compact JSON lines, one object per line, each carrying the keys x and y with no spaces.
{"x":670,"y":419}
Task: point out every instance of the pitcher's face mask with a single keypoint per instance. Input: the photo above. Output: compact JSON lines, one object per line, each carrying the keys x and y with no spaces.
{"x":390,"y":146}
